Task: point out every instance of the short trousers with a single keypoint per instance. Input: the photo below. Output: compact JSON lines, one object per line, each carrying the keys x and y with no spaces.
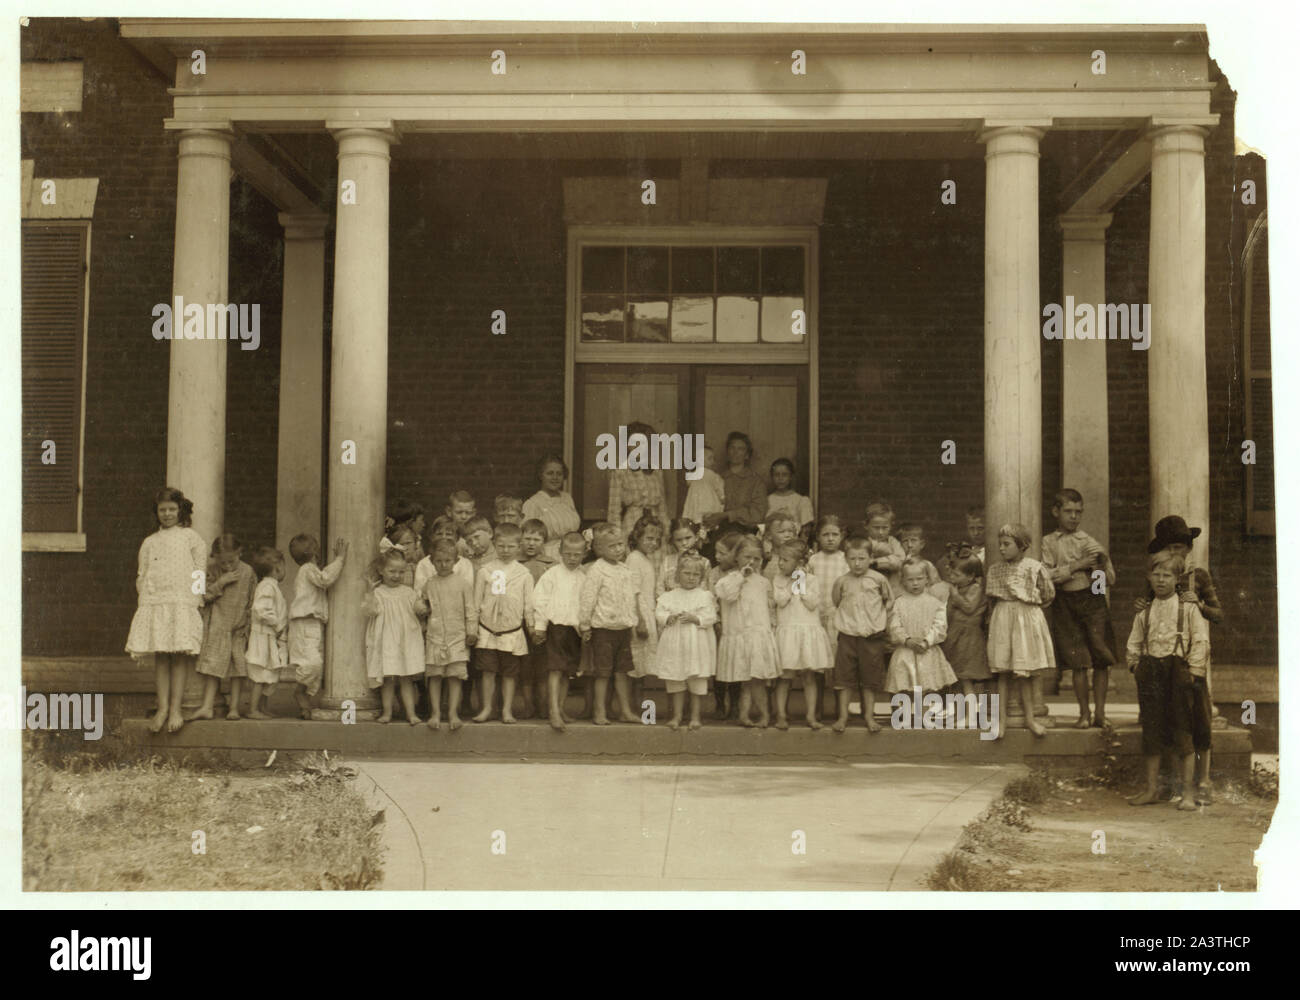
{"x":452,"y":671}
{"x":533,"y":669}
{"x":1082,"y":630}
{"x":695,"y":685}
{"x":496,"y":661}
{"x":860,"y":662}
{"x":563,"y":649}
{"x":441,"y":654}
{"x":611,"y":651}
{"x":1167,"y":701}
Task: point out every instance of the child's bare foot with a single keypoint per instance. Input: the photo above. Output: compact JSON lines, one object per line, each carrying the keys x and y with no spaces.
{"x":233,"y":715}
{"x":872,"y":725}
{"x":557,"y":722}
{"x":1085,"y":722}
{"x":434,"y":722}
{"x":814,"y":724}
{"x":482,"y":716}
{"x":1186,"y":804}
{"x":628,"y":717}
{"x":601,"y":720}
{"x":840,"y":724}
{"x":414,"y":720}
{"x":782,"y":723}
{"x":1144,"y":799}
{"x":158,"y":721}
{"x":1036,"y":728}
{"x":385,"y":719}
{"x":259,"y":714}
{"x":746,"y":721}
{"x":508,"y":718}
{"x":174,"y":722}
{"x":764,"y":721}
{"x":674,"y":724}
{"x":455,"y":722}
{"x":695,"y":724}
{"x":1098,"y":721}
{"x":199,"y":713}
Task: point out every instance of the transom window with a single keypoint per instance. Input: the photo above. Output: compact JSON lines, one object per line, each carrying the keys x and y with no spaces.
{"x":693,"y":294}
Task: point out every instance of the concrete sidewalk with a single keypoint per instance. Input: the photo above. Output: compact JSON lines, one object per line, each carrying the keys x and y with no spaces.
{"x":652,"y":827}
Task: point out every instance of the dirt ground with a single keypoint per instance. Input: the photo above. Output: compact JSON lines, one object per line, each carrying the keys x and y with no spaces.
{"x":1054,"y":844}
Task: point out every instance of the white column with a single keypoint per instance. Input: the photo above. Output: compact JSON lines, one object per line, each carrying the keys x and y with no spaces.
{"x":302,"y":365}
{"x":1085,"y":449}
{"x":1013,"y":440}
{"x":358,"y":400}
{"x":1179,"y":422}
{"x":196,"y":402}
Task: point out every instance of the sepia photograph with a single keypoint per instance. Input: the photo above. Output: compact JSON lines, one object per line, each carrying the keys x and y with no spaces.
{"x":643,"y":456}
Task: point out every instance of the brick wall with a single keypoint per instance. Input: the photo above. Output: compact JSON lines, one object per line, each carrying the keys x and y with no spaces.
{"x":118,"y":137}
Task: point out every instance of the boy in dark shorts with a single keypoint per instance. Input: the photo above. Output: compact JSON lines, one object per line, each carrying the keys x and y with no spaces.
{"x":1168,"y":650}
{"x":608,"y":613}
{"x":556,"y":602}
{"x":862,"y":598}
{"x":1079,"y":616}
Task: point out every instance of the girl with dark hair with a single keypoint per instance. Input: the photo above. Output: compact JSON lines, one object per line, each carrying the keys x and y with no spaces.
{"x":171,"y":580}
{"x":552,"y":505}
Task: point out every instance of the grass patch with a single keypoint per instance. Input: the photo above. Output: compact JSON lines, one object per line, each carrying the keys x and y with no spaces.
{"x":960,"y":870}
{"x":128,"y":820}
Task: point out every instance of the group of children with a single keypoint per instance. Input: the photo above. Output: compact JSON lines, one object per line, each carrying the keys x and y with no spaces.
{"x":861,"y":610}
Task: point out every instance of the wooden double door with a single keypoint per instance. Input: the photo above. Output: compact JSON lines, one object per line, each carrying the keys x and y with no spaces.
{"x":767,"y":402}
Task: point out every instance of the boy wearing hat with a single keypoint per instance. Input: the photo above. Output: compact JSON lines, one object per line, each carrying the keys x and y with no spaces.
{"x":1082,"y":631}
{"x":1193,"y":586}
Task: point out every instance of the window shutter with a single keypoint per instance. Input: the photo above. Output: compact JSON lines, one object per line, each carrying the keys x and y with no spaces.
{"x":53,"y":332}
{"x":1260,"y":506}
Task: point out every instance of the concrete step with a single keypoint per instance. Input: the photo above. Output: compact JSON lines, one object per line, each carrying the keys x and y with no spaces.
{"x":1063,"y":748}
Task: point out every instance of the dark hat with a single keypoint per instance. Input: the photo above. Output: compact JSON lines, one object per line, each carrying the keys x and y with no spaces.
{"x":1169,"y":530}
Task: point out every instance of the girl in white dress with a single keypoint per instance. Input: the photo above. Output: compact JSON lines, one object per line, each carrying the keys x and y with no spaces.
{"x":827,"y":563}
{"x":643,"y":561}
{"x":268,"y":631}
{"x":918,"y":624}
{"x":747,"y":652}
{"x":687,"y":655}
{"x":394,"y":640}
{"x":801,"y":642}
{"x":167,"y":625}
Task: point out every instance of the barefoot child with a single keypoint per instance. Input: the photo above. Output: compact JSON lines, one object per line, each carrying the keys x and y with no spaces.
{"x":451,"y":629}
{"x":1168,"y":650}
{"x":643,"y":561}
{"x":747,"y":651}
{"x":827,"y":564}
{"x":556,"y":602}
{"x":966,"y":646}
{"x":533,"y":676}
{"x":308,"y":614}
{"x":918,"y":624}
{"x":167,"y":624}
{"x":394,"y":645}
{"x":608,"y":613}
{"x":686,"y":656}
{"x":267,"y":631}
{"x":228,"y":596}
{"x":801,"y":642}
{"x":726,"y":695}
{"x":1020,"y":644}
{"x":1079,"y":617}
{"x":503,"y":594}
{"x":861,"y":597}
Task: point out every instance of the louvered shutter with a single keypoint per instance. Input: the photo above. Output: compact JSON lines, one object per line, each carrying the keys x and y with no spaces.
{"x":1260,"y":509}
{"x":53,"y":328}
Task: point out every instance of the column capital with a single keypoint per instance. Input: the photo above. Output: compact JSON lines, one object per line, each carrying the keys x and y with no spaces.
{"x":379,"y":128}
{"x":219,"y":128}
{"x":1087,"y":227}
{"x":1012,"y":137}
{"x":1175,"y":135}
{"x":303,"y":226}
